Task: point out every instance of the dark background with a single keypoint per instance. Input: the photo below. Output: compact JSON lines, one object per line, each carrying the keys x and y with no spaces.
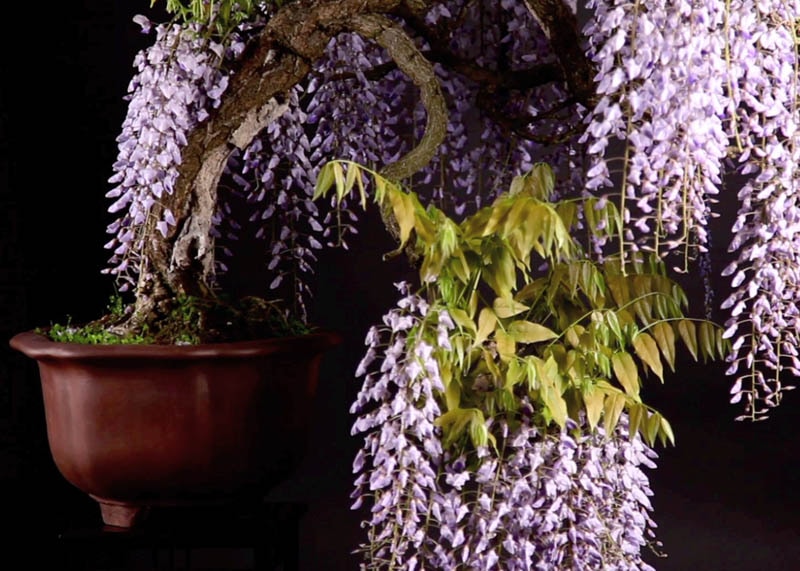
{"x":725,"y":497}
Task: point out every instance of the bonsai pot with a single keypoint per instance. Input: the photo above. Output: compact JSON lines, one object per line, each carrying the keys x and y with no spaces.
{"x":136,"y":426}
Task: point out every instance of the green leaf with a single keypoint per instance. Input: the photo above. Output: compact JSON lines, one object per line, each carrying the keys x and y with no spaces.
{"x":477,"y":429}
{"x":542,"y":181}
{"x":643,"y":309}
{"x":459,"y":265}
{"x":508,"y":307}
{"x":487,"y":323}
{"x":603,"y":363}
{"x":666,"y":431}
{"x":651,"y":428}
{"x":626,"y":372}
{"x":612,"y":321}
{"x":531,"y":369}
{"x":688,"y":333}
{"x":574,"y":272}
{"x":453,"y":395}
{"x":586,"y":277}
{"x":514,"y":374}
{"x":403,"y":209}
{"x":507,"y":400}
{"x":548,"y":371}
{"x":529,"y":332}
{"x":573,"y":335}
{"x":517,"y":185}
{"x":532,"y":290}
{"x":506,"y":345}
{"x":555,"y":404}
{"x":361,"y":190}
{"x":425,"y":228}
{"x":665,"y":337}
{"x":472,"y":306}
{"x":381,"y":186}
{"x":707,"y":340}
{"x":679,"y":295}
{"x":350,"y":180}
{"x":537,"y":223}
{"x":619,"y":289}
{"x":636,"y":413}
{"x":453,"y":423}
{"x":462,"y":319}
{"x":500,"y":274}
{"x":594,"y":400}
{"x":497,"y":216}
{"x":324,"y":181}
{"x":338,"y":176}
{"x":612,"y":409}
{"x":574,"y":400}
{"x":459,"y":349}
{"x":647,"y":350}
{"x":572,"y":363}
{"x":723,"y":345}
{"x":567,"y":211}
{"x":491,"y":366}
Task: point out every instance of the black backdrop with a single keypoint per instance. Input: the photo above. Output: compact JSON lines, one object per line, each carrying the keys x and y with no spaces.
{"x":725,"y":496}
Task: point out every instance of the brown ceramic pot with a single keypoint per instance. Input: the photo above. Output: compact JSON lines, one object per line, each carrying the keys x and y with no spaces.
{"x":136,"y":426}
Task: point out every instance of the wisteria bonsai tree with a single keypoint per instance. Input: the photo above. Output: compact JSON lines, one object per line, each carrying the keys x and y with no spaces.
{"x":503,"y":429}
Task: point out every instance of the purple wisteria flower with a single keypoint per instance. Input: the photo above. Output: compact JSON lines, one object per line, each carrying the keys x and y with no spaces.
{"x":344,"y":111}
{"x":684,"y":90}
{"x":179,"y":79}
{"x":660,"y":82}
{"x":541,"y":500}
{"x":763,"y":323}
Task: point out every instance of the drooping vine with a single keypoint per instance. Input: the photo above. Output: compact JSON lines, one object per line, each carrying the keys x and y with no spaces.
{"x":692,"y":94}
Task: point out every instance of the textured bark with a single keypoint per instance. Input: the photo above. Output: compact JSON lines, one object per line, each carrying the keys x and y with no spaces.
{"x":180,"y":263}
{"x":410,"y":61}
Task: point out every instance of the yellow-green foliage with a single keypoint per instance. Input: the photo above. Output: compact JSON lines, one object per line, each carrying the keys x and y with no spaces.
{"x":577,"y":337}
{"x":222,"y":16}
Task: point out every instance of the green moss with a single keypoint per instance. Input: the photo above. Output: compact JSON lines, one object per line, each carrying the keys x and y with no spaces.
{"x":190,"y":322}
{"x":89,"y":334}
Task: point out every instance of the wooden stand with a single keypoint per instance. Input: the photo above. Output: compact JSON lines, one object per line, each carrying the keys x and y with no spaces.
{"x":263,"y":538}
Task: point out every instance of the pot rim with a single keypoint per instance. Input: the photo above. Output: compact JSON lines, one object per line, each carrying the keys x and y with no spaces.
{"x":38,"y":346}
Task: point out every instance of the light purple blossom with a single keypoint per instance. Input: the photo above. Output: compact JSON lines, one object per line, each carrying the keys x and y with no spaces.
{"x":763,"y":316}
{"x":181,"y":77}
{"x":661,"y":88}
{"x":685,"y":89}
{"x":546,"y":500}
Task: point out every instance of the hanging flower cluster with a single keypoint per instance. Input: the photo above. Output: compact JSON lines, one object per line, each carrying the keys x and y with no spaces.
{"x":179,"y":79}
{"x":345,"y":110}
{"x":396,"y":411}
{"x":544,"y":500}
{"x":683,"y":90}
{"x":328,"y":116}
{"x":661,"y":69}
{"x":764,"y":322}
{"x":354,"y":105}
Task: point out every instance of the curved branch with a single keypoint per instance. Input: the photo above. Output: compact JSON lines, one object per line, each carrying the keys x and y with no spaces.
{"x":522,"y":79}
{"x":404,"y":52}
{"x":181,"y":261}
{"x":409,"y":60}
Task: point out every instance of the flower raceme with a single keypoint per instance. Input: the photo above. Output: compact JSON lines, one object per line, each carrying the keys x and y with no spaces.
{"x":547,"y":499}
{"x":688,"y":92}
{"x":178,"y":81}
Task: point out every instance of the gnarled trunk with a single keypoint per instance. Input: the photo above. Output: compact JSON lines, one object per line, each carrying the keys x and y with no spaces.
{"x":181,"y":263}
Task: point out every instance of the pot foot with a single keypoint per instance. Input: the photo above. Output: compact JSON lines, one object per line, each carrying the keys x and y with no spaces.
{"x":121,"y":515}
